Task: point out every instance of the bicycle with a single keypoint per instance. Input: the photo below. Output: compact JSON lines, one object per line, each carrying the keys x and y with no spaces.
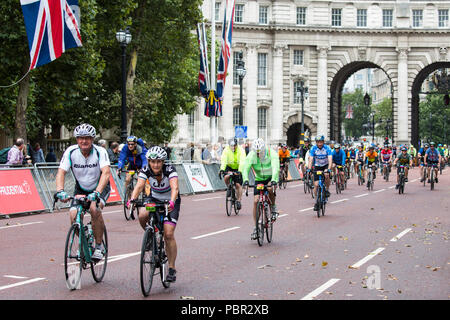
{"x":339,"y":182}
{"x":308,"y":183}
{"x":401,"y":179}
{"x":321,"y":199}
{"x":263,"y":219}
{"x":230,"y":200}
{"x":283,"y":175}
{"x":360,"y":175}
{"x":370,"y":178}
{"x":385,"y":171}
{"x":153,"y":252}
{"x":129,"y":212}
{"x":79,"y":247}
{"x":432,"y":177}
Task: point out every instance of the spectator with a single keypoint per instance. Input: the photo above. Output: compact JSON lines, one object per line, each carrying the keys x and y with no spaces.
{"x":113,"y":152}
{"x":51,"y":156}
{"x":188,"y":154}
{"x":37,"y":155}
{"x":215,"y":153}
{"x":206,"y":154}
{"x":168,"y":150}
{"x":198,"y":154}
{"x":15,"y":154}
{"x":102,"y":143}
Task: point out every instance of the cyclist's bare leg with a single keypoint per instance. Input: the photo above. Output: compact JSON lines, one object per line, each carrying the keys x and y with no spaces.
{"x":238,"y":192}
{"x":271,"y":195}
{"x":171,"y":244}
{"x":255,"y":202}
{"x":406,"y":172}
{"x":97,"y":222}
{"x":127,"y":180}
{"x":143,"y":217}
{"x":227,"y":180}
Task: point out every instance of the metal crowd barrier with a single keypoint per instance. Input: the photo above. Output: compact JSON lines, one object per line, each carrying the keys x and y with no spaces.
{"x":44,"y":176}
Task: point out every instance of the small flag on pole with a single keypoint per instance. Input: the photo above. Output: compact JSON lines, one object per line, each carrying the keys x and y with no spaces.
{"x":349,"y":112}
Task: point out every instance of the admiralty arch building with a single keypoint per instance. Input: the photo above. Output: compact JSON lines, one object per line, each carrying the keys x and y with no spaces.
{"x":320,"y":44}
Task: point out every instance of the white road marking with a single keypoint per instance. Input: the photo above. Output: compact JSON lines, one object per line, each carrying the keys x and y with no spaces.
{"x":380,"y":190}
{"x":112,"y":258}
{"x":21,"y":283}
{"x":320,"y":289}
{"x":115,"y":211}
{"x":361,"y":195}
{"x":15,"y":277}
{"x":307,"y":209}
{"x":401,"y":234}
{"x":370,"y":256}
{"x":337,"y":201}
{"x":214,"y":233}
{"x":391,"y":187}
{"x":295,"y":186}
{"x":21,"y":225}
{"x":208,"y":198}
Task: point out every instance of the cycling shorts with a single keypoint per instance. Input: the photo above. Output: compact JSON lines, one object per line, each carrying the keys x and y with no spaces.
{"x":237,"y":179}
{"x":265,"y":182}
{"x":104,"y":195}
{"x":316,"y":176}
{"x":174,"y":214}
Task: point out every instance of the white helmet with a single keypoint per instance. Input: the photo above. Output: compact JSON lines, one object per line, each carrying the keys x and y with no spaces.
{"x":84,"y":130}
{"x":258,"y":145}
{"x":157,"y":153}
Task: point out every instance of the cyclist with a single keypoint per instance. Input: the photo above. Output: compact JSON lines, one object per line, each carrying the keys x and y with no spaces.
{"x":285,"y":156}
{"x":321,"y":159}
{"x":338,"y":158}
{"x":386,"y":158}
{"x":303,"y":156}
{"x":352,"y":158}
{"x":360,"y":162}
{"x":404,"y":159}
{"x":233,"y":157}
{"x":163,"y":180}
{"x":134,"y":154}
{"x":432,"y":156}
{"x":442,"y":153}
{"x":371,"y":158}
{"x":266,"y":165}
{"x":91,"y":168}
{"x":413,"y":153}
{"x":421,"y":156}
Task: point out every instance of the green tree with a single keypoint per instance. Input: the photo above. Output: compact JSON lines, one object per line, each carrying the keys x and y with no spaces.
{"x":361,"y":113}
{"x":434,"y":119}
{"x":383,"y":112}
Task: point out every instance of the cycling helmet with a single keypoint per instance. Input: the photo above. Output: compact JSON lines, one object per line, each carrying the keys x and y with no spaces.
{"x":320,"y":138}
{"x":404,"y":148}
{"x":232,"y":142}
{"x":284,"y":145}
{"x":426,"y":145}
{"x":132,"y":139}
{"x":432,"y":144}
{"x":156,"y":153}
{"x":84,"y":130}
{"x":337,"y":146}
{"x":372,"y":147}
{"x":306,"y":140}
{"x":258,"y":145}
{"x":439,"y":145}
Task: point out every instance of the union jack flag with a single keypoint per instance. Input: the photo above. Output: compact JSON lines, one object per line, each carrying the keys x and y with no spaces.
{"x":51,"y":27}
{"x":349,"y":112}
{"x":225,"y":52}
{"x":203,"y":74}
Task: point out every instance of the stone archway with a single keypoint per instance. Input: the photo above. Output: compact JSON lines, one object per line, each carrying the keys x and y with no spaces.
{"x":415,"y":90}
{"x":336,"y":88}
{"x":292,"y":127}
{"x":294,"y":134}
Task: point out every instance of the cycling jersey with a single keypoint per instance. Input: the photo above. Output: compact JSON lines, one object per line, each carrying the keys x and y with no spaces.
{"x":386,"y":155}
{"x":284,"y":155}
{"x":320,"y":156}
{"x":403,"y":159}
{"x":338,"y":157}
{"x":235,"y":160}
{"x":136,"y":159}
{"x":267,"y":168}
{"x":360,"y":155}
{"x":352,"y":154}
{"x":159,"y":190}
{"x":432,"y":155}
{"x":371,"y":156}
{"x":87,"y":171}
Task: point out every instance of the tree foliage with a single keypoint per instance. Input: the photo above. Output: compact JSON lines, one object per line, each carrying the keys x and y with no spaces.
{"x":361,"y":113}
{"x":434,"y":119}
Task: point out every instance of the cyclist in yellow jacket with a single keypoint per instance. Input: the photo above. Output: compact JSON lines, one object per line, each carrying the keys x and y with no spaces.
{"x":233,"y":157}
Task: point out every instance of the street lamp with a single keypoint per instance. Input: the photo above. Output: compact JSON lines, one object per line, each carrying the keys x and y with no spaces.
{"x":124,"y":38}
{"x":302,"y":94}
{"x":240,"y":69}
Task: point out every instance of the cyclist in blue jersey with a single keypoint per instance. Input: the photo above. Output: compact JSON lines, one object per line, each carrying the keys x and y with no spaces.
{"x":338,"y":158}
{"x":421,"y":156}
{"x":321,"y":160}
{"x":432,"y":156}
{"x":134,"y":155}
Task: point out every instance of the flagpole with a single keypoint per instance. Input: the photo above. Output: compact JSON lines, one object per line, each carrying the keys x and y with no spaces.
{"x":212,"y":120}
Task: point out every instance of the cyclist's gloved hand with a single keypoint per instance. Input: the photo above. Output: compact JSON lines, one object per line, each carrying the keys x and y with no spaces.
{"x":128,"y":203}
{"x":245,"y":184}
{"x":93,"y":196}
{"x":221,"y":173}
{"x":273,"y":183}
{"x":62,"y":195}
{"x":171,"y":205}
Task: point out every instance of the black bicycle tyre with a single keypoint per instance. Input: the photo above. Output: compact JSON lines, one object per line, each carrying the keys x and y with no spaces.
{"x":432,"y":178}
{"x":164,"y":265}
{"x":318,"y":201}
{"x":269,"y":229}
{"x":323,"y":202}
{"x":260,"y":223}
{"x":233,"y":193}
{"x":228,"y":201}
{"x":99,"y":273}
{"x":126,"y":211}
{"x":305,"y":185}
{"x":146,"y":283}
{"x":74,"y":229}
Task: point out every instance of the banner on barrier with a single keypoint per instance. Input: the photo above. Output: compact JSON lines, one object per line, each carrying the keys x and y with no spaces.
{"x":296,"y":161}
{"x":197,"y":176}
{"x":114,"y":195}
{"x":18,"y":192}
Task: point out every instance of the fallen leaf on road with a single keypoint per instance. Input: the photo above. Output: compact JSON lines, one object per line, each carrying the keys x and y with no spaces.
{"x":290,"y":292}
{"x":265,"y":266}
{"x":349,"y":295}
{"x":306,"y":256}
{"x":298,"y":260}
{"x":187,"y":298}
{"x":240,"y":281}
{"x":324,"y":263}
{"x":435,"y":269}
{"x":351,"y":267}
{"x":52,"y":259}
{"x":391,"y":277}
{"x":253,"y":294}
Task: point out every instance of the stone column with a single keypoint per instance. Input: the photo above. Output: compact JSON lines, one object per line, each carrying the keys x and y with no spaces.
{"x":276,"y":129}
{"x":250,"y":81}
{"x":322,"y":91}
{"x":402,"y":94}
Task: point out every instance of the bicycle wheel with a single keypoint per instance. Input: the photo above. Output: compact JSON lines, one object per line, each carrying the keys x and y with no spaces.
{"x":73,"y":256}
{"x":269,"y":225}
{"x":260,"y":223}
{"x":148,"y":261}
{"x":233,"y":193}
{"x":338,"y":183}
{"x":126,"y":211}
{"x":305,"y":185}
{"x":323,"y":202}
{"x":229,"y":201}
{"x":98,"y":268}
{"x":432,"y":178}
{"x":319,"y":201}
{"x":164,"y":265}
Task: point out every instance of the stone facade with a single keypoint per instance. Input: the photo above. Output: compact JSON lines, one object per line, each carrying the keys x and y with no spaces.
{"x":407,"y":40}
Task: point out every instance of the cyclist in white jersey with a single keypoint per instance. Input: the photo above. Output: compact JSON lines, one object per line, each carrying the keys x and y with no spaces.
{"x":91,"y":167}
